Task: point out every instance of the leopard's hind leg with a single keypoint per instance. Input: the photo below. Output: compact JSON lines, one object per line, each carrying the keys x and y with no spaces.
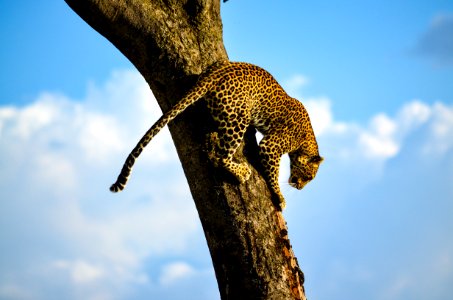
{"x":225,"y":143}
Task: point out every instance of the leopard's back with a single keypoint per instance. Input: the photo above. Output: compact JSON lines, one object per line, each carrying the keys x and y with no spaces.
{"x":244,"y":87}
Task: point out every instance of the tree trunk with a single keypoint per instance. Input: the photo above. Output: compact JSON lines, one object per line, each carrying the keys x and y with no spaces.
{"x":171,"y":42}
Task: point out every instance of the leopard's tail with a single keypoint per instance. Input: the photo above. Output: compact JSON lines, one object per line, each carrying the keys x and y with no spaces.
{"x":193,"y":96}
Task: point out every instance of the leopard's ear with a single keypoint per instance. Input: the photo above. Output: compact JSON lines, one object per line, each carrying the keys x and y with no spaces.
{"x":316,"y":159}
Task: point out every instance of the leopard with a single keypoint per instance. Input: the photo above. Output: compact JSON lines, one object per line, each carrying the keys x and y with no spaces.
{"x":239,"y":95}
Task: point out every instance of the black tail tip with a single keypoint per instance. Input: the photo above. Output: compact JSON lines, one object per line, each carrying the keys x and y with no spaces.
{"x":115,"y":188}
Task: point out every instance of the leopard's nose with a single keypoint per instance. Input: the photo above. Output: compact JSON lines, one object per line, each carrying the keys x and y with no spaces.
{"x":293,"y":180}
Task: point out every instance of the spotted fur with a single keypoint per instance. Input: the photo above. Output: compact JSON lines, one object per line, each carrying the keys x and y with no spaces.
{"x":241,"y":95}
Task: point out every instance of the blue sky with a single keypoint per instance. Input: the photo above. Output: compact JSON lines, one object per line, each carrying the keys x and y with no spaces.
{"x":376,"y":78}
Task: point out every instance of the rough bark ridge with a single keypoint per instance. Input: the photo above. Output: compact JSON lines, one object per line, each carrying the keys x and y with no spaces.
{"x":171,"y":42}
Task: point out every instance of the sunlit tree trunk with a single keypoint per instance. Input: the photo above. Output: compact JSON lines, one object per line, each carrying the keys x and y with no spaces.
{"x":171,"y":42}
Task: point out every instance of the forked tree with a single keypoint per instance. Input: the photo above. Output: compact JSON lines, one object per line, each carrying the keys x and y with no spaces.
{"x":171,"y":42}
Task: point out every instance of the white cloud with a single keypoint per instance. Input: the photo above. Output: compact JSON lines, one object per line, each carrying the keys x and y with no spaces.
{"x":295,"y":83}
{"x":174,"y":272}
{"x":379,"y":140}
{"x":413,"y":114}
{"x":34,"y":118}
{"x":54,"y":170}
{"x":99,"y":137}
{"x":441,"y":125}
{"x":383,"y":137}
{"x":81,"y":271}
{"x":321,"y":117}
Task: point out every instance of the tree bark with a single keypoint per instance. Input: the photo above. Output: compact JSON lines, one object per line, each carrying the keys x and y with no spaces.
{"x":171,"y":42}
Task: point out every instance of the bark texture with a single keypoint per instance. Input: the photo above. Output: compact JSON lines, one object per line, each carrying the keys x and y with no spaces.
{"x":171,"y":42}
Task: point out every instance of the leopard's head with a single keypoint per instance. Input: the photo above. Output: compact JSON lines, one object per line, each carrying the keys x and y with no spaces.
{"x":303,"y":169}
